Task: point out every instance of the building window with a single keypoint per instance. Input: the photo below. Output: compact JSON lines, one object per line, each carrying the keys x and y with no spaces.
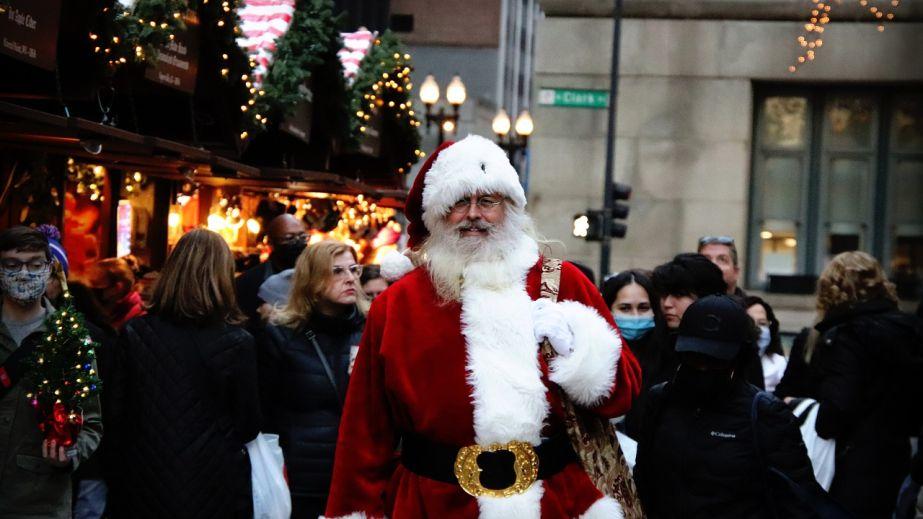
{"x":836,"y":169}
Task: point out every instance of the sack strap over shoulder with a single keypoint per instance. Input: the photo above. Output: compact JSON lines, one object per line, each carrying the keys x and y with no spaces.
{"x":551,"y":278}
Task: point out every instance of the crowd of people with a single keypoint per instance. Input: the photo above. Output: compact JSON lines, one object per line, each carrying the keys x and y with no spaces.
{"x":375,"y":403}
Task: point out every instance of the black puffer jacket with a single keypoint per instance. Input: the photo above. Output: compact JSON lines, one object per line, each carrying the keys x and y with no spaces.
{"x":299,"y":400}
{"x":870,"y":375}
{"x":184,"y":401}
{"x":698,"y":460}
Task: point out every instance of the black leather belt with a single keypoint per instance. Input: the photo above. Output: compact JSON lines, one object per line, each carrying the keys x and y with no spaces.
{"x":437,"y":460}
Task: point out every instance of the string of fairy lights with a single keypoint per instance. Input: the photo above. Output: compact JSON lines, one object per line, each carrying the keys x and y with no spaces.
{"x":388,"y":86}
{"x":135,"y":34}
{"x":811,"y":37}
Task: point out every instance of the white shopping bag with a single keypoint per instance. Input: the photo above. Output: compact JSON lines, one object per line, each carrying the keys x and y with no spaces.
{"x":629,"y":449}
{"x":822,"y":452}
{"x":271,"y":497}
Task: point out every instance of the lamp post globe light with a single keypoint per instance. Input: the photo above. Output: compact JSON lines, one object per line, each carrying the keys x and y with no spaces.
{"x":513,"y":142}
{"x":455,"y":95}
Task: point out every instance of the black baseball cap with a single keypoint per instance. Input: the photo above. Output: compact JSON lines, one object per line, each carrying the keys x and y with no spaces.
{"x":716,"y":326}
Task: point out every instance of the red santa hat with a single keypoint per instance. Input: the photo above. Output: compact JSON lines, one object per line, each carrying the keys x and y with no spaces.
{"x":455,"y":171}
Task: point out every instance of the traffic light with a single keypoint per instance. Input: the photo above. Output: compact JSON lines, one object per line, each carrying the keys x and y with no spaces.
{"x":589,"y":225}
{"x":620,"y":191}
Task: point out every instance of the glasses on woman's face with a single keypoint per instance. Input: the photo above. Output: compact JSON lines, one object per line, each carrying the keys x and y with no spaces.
{"x":12,"y":266}
{"x":484,"y":203}
{"x":352,"y":270}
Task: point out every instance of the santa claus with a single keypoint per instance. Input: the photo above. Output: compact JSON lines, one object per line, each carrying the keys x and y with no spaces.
{"x":449,"y":410}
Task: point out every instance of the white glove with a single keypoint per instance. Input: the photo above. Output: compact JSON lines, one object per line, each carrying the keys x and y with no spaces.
{"x":549,"y":322}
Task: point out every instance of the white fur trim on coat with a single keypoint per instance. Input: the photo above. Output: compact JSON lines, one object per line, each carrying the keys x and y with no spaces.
{"x":471,"y":165}
{"x":604,"y":508}
{"x":587,"y":374}
{"x":504,"y":373}
{"x":519,"y":506}
{"x":395,"y":265}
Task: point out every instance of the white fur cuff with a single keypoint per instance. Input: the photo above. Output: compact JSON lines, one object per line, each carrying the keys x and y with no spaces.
{"x":394,"y":266}
{"x":604,"y":508}
{"x":587,"y":374}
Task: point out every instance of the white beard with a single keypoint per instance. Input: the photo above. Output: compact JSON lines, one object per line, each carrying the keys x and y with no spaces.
{"x":494,"y":261}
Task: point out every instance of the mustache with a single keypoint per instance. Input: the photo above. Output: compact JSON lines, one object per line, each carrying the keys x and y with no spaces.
{"x":474,"y":225}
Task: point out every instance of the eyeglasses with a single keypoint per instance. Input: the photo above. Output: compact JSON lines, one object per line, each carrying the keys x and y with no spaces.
{"x":353,"y":270}
{"x":483,"y":202}
{"x":12,"y":266}
{"x":723,"y":240}
{"x":293,"y":236}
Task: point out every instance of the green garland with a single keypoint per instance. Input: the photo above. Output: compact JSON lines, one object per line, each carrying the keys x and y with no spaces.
{"x":61,"y":369}
{"x":383,"y":87}
{"x":312,"y":39}
{"x":136,"y":35}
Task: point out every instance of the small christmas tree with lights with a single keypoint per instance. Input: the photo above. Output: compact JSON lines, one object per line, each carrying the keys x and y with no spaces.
{"x":62,"y":374}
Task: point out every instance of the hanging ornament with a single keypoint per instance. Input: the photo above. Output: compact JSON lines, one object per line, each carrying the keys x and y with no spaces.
{"x":262,"y":23}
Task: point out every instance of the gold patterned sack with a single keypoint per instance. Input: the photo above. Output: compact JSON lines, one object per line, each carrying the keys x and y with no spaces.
{"x":592,"y":436}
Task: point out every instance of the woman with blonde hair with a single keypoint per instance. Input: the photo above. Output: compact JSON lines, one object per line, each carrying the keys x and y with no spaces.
{"x":869,"y":389}
{"x":184,"y":395}
{"x":305,"y":359}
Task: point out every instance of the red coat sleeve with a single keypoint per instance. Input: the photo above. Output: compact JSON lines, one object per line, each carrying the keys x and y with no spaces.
{"x":627,"y":384}
{"x":365,"y":452}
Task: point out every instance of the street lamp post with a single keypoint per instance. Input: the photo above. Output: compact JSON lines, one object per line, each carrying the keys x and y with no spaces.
{"x":455,"y":94}
{"x":513,"y":143}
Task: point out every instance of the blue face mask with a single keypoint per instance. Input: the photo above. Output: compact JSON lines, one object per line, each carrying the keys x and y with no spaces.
{"x":764,"y":340}
{"x":634,"y":327}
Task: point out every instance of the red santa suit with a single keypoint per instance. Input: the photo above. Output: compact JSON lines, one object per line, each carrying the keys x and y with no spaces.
{"x":469,"y":372}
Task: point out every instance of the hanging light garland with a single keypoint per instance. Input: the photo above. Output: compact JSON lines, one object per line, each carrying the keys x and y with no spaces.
{"x":811,"y":37}
{"x":134,"y":34}
{"x":383,"y":87}
{"x":90,"y":179}
{"x":281,"y":64}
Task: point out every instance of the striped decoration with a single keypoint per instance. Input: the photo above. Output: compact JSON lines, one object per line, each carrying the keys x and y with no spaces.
{"x":355,"y":46}
{"x":262,"y":22}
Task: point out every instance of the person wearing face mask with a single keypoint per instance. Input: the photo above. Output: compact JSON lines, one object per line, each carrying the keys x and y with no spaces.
{"x":697,"y":454}
{"x":772,"y":357}
{"x":631,"y":297}
{"x":305,"y":360}
{"x":35,"y":474}
{"x":287,"y":238}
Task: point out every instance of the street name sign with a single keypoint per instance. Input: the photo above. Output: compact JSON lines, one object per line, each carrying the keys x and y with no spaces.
{"x":573,"y":98}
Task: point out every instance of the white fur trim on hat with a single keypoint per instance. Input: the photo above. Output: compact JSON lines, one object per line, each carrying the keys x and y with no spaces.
{"x":471,"y":165}
{"x":587,"y":374}
{"x":395,"y":265}
{"x":604,"y":508}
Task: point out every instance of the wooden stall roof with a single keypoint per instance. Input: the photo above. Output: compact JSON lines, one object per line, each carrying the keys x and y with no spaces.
{"x":30,"y":129}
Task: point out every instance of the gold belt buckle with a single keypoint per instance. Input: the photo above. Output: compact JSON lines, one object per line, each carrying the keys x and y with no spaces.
{"x":525,"y":465}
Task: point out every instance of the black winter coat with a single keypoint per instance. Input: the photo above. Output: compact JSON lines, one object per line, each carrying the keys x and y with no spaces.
{"x":184,"y":402}
{"x":658,"y":360}
{"x":299,"y":400}
{"x":802,"y":378}
{"x":869,"y":372}
{"x":698,"y":460}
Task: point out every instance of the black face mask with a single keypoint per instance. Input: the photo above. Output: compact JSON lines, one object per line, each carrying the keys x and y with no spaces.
{"x":285,"y":254}
{"x":701,"y":385}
